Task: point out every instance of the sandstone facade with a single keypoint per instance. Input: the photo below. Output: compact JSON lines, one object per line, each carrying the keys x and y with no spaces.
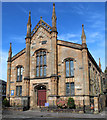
{"x":50,"y":78}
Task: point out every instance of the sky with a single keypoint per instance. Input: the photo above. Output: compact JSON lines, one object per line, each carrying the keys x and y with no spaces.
{"x":70,"y":17}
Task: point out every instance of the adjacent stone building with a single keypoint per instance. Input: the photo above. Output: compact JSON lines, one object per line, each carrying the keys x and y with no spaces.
{"x":2,"y":89}
{"x":49,"y":69}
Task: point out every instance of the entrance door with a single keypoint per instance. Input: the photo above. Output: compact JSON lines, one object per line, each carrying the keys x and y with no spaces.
{"x":41,"y":97}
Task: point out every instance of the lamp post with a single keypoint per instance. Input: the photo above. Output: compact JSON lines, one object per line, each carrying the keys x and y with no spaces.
{"x":83,"y":104}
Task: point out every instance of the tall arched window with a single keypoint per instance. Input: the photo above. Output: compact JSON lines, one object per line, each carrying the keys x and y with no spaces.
{"x":41,"y":63}
{"x":19,"y":73}
{"x":69,"y":67}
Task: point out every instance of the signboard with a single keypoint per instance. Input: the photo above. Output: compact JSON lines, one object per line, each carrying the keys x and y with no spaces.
{"x":12,"y":92}
{"x":46,"y":104}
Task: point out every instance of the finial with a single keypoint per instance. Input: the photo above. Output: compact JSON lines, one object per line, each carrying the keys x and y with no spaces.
{"x":29,"y":12}
{"x":99,"y":64}
{"x":53,"y":4}
{"x":83,"y":37}
{"x":29,"y":19}
{"x":29,"y":25}
{"x":10,"y":54}
{"x":10,"y":50}
{"x":54,"y":19}
{"x":41,"y":17}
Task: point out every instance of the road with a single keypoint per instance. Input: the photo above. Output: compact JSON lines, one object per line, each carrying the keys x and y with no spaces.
{"x":37,"y":115}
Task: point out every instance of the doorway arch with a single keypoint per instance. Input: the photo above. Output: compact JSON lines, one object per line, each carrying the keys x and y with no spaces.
{"x":41,"y":94}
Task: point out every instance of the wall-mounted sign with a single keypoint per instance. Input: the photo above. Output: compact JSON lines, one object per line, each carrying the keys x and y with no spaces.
{"x":46,"y":104}
{"x":12,"y":92}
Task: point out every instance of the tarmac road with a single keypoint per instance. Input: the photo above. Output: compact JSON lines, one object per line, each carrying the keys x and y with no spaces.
{"x":37,"y":115}
{"x":50,"y":118}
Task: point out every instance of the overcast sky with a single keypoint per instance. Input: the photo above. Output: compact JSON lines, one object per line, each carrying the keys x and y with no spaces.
{"x":70,"y":17}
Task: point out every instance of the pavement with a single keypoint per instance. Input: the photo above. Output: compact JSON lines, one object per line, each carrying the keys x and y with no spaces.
{"x":36,"y":115}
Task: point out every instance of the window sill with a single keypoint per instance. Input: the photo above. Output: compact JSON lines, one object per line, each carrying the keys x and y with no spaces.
{"x":18,"y":95}
{"x":19,"y":81}
{"x":69,"y":95}
{"x":70,"y":77}
{"x":42,"y":77}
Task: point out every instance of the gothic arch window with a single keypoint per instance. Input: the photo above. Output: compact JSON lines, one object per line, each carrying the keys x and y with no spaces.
{"x":41,"y":63}
{"x":19,"y":73}
{"x":69,"y":67}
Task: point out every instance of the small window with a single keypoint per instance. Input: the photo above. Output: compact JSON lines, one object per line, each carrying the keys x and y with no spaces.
{"x":67,"y":89}
{"x":44,"y":59}
{"x":37,"y":71}
{"x":18,"y":73}
{"x":41,"y":71}
{"x":18,"y":90}
{"x":37,"y":58}
{"x":41,"y":58}
{"x":44,"y":70}
{"x":69,"y":68}
{"x":70,"y":90}
{"x":21,"y":71}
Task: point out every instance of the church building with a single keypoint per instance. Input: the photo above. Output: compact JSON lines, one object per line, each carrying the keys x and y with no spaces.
{"x":48,"y":69}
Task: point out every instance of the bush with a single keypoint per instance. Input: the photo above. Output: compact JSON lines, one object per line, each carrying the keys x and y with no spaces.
{"x":71,"y":103}
{"x":62,"y":103}
{"x":5,"y":102}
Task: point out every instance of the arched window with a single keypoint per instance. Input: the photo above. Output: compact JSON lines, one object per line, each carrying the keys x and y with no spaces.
{"x":19,"y":73}
{"x":41,"y":63}
{"x":69,"y":67}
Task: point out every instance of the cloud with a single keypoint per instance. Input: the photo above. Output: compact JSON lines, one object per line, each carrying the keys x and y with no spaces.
{"x":23,"y":9}
{"x":96,"y":20}
{"x":17,"y":38}
{"x":98,"y":24}
{"x":95,"y":37}
{"x":69,"y":37}
{"x":44,"y":11}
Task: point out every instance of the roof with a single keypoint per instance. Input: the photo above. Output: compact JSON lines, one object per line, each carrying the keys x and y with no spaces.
{"x":69,"y":44}
{"x":93,"y":61}
{"x":18,"y":54}
{"x":43,"y":24}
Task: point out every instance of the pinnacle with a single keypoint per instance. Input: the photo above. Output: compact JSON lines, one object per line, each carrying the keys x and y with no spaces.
{"x":83,"y":33}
